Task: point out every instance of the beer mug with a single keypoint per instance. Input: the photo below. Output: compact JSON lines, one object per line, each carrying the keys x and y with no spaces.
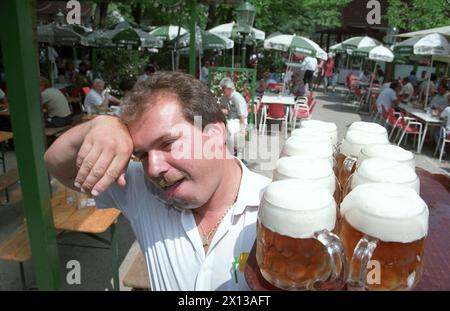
{"x":295,"y":247}
{"x":308,"y":169}
{"x":383,"y":228}
{"x":383,"y":171}
{"x":351,"y":147}
{"x":390,"y":152}
{"x":313,"y":146}
{"x":326,"y":127}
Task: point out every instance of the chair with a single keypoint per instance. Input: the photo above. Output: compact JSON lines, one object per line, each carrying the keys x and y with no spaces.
{"x":393,"y":119}
{"x":444,"y":137}
{"x":410,"y":126}
{"x":376,"y":113}
{"x":275,"y":112}
{"x":302,"y":111}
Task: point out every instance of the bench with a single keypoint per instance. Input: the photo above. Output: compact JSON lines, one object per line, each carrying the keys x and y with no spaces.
{"x":16,"y":247}
{"x":8,"y":179}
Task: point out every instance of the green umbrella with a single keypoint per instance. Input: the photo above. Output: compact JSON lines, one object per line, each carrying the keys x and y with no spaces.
{"x":376,"y":53}
{"x":123,"y":37}
{"x":67,"y":35}
{"x":338,"y":49}
{"x":167,"y":33}
{"x":360,"y":42}
{"x":206,"y":41}
{"x":295,"y":45}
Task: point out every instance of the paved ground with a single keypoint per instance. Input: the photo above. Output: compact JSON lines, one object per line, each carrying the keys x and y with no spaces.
{"x":95,"y":263}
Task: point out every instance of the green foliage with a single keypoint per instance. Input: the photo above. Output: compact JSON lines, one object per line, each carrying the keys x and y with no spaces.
{"x":297,"y":16}
{"x":114,"y":65}
{"x":418,"y":14}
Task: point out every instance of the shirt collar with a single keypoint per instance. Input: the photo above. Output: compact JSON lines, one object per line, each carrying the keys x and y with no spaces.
{"x":249,"y":194}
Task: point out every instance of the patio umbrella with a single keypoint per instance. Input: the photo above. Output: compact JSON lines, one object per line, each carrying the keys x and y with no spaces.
{"x":206,"y":41}
{"x":66,"y":35}
{"x":127,"y":37}
{"x":430,"y":45}
{"x":167,"y":33}
{"x":360,"y":42}
{"x":295,"y":45}
{"x":230,"y":30}
{"x":338,"y":49}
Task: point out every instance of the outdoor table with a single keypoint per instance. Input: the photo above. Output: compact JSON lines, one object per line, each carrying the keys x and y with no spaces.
{"x":435,"y":191}
{"x":90,"y":221}
{"x":288,"y":100}
{"x":424,"y":118}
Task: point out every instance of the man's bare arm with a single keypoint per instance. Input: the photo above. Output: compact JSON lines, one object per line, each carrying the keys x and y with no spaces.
{"x":91,"y":156}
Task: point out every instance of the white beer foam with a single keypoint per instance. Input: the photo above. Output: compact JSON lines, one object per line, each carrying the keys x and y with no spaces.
{"x":307,"y":169}
{"x":304,"y":145}
{"x":297,"y":209}
{"x":328,"y":127}
{"x":311,"y":134}
{"x":389,"y":212}
{"x":354,"y":141}
{"x":385,"y":171}
{"x":390,"y":152}
{"x":369,"y":127}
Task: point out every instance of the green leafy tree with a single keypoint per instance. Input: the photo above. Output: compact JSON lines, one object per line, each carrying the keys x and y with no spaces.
{"x":416,"y":15}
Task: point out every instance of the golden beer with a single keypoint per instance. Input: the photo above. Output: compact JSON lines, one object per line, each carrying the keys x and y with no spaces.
{"x":294,"y":239}
{"x":383,"y":228}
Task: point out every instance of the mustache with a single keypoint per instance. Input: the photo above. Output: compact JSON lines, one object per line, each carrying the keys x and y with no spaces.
{"x":168,"y":180}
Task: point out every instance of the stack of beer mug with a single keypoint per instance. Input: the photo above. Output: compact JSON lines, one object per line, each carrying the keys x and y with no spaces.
{"x":375,"y":240}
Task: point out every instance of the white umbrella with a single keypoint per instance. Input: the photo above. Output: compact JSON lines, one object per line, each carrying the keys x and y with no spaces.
{"x":360,"y":42}
{"x":431,"y":45}
{"x":295,"y":45}
{"x":229,"y":30}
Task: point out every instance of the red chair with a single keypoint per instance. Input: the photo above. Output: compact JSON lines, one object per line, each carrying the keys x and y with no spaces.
{"x":275,"y":112}
{"x":394,"y":120}
{"x":410,"y":126}
{"x":302,"y":111}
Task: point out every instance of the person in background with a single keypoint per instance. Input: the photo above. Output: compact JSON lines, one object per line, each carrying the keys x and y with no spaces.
{"x":58,"y":111}
{"x":309,"y":65}
{"x":364,"y":76}
{"x":423,"y":76}
{"x":236,"y":116}
{"x":328,"y":69}
{"x":431,"y":89}
{"x":445,"y":114}
{"x":149,"y":70}
{"x":98,"y":98}
{"x":407,"y":90}
{"x":262,"y":84}
{"x":441,"y":100}
{"x":389,"y":98}
{"x":204,"y":71}
{"x":2,"y":99}
{"x":319,"y":72}
{"x":379,"y":75}
{"x":413,"y":79}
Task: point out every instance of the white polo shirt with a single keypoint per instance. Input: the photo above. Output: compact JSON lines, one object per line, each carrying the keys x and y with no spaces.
{"x":170,"y":240}
{"x":94,"y":99}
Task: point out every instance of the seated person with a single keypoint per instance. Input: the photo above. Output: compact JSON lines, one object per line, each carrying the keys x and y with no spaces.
{"x":98,"y":98}
{"x":364,"y":76}
{"x":441,"y":100}
{"x":262,"y":84}
{"x":58,"y":111}
{"x":413,"y":79}
{"x":431,"y":90}
{"x":236,"y":116}
{"x":389,"y":97}
{"x":407,"y":90}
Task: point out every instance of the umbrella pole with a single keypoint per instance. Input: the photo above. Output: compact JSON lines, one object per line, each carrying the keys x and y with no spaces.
{"x":285,"y":75}
{"x":428,"y":84}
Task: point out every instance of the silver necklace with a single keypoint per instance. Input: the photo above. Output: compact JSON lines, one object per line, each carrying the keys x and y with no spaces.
{"x":206,"y":236}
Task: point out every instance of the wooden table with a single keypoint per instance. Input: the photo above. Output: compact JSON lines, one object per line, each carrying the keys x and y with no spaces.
{"x":90,"y":221}
{"x":424,"y":118}
{"x":435,"y":191}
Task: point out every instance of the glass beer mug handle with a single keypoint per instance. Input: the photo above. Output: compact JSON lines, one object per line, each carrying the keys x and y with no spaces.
{"x":335,"y":251}
{"x":362,"y":254}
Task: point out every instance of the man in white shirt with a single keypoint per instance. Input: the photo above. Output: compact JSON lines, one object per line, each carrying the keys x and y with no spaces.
{"x":388,"y":98}
{"x":442,"y":99}
{"x":98,"y":97}
{"x":237,"y":112}
{"x":310,"y":66}
{"x":194,"y":213}
{"x":407,"y":90}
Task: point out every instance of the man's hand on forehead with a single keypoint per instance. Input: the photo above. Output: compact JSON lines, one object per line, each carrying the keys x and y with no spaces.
{"x":103,"y":156}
